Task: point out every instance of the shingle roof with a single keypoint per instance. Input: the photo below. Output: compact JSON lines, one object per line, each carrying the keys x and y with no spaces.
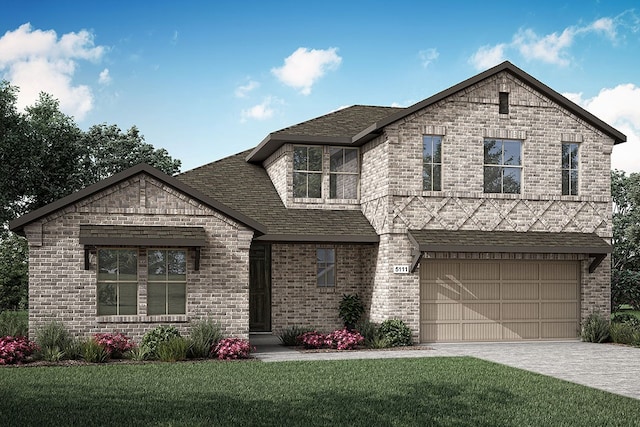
{"x":246,"y":188}
{"x":508,"y":241}
{"x":126,"y":235}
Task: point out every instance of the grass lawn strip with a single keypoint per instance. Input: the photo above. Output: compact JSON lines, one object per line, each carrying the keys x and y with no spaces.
{"x":392,"y":392}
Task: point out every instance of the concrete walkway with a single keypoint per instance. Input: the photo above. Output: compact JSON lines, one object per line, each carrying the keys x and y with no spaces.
{"x":612,"y":368}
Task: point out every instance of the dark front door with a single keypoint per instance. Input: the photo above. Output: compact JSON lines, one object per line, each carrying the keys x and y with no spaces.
{"x":260,"y":288}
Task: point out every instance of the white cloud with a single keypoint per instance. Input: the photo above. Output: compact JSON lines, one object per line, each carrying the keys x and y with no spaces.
{"x":428,"y":56}
{"x":262,"y":111}
{"x":488,"y":56}
{"x":242,"y":91}
{"x":618,"y":107}
{"x":38,"y":61}
{"x":304,"y":67}
{"x":551,"y":48}
{"x":104,"y":78}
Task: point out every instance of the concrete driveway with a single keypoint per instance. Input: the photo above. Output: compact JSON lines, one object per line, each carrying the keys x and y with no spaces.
{"x":608,"y":367}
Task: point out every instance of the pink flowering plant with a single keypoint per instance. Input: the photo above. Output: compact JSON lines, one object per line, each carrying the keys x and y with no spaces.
{"x":16,"y":349}
{"x":344,"y":339}
{"x":232,"y":348}
{"x":341,"y":339}
{"x":116,"y":344}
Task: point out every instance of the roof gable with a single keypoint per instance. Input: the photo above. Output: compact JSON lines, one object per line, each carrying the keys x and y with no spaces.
{"x":359,"y":132}
{"x":18,"y":224}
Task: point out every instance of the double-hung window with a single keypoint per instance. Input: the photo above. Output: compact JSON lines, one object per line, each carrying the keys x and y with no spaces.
{"x":569,"y":168}
{"x":343,"y":173}
{"x":166,"y":282}
{"x":117,"y":282}
{"x":307,"y":172}
{"x":431,"y":163}
{"x":326,"y":261}
{"x":502,"y":166}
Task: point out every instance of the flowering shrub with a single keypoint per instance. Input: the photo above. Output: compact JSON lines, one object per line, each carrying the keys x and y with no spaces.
{"x":15,"y":349}
{"x":341,"y":339}
{"x":115,"y":344}
{"x":232,"y":348}
{"x":344,"y":339}
{"x":314,"y":339}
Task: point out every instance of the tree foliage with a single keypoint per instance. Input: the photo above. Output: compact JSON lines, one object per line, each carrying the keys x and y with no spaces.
{"x":625,"y":284}
{"x":46,"y":156}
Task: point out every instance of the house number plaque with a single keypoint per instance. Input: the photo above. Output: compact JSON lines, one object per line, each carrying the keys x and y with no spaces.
{"x":400,"y":269}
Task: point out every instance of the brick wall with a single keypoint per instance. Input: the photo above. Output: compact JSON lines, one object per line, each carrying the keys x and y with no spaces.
{"x":296,"y":298}
{"x":61,"y":289}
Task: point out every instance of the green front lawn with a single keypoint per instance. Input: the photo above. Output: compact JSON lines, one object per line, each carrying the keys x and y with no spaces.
{"x":428,"y":391}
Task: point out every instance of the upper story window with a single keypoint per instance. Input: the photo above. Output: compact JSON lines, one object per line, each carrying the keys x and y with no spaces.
{"x":431,"y":163}
{"x":307,"y":172}
{"x":320,"y":172}
{"x":502,"y":166}
{"x":167,"y":282}
{"x":117,"y":282}
{"x":570,"y":168}
{"x":343,"y":173}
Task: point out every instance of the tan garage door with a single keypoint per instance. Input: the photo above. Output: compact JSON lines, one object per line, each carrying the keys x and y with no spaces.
{"x":498,"y":300}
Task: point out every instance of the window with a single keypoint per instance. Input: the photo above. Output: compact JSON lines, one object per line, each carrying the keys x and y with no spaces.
{"x":326,"y":258}
{"x":117,"y":282}
{"x":167,"y":282}
{"x":307,"y":172}
{"x":502,"y":166}
{"x":503,"y":103}
{"x":343,"y":173}
{"x":431,"y":163}
{"x":569,"y":169}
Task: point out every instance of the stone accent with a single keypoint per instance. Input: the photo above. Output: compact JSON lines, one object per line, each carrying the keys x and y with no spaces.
{"x":60,"y":289}
{"x":296,"y":298}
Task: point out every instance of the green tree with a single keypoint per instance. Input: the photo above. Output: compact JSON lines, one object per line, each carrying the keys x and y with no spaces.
{"x":13,"y":272}
{"x":625,"y":283}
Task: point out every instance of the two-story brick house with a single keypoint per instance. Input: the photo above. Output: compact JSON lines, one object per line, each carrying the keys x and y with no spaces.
{"x":480,"y":213}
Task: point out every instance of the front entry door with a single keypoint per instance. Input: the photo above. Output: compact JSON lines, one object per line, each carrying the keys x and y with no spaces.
{"x":260,"y":288}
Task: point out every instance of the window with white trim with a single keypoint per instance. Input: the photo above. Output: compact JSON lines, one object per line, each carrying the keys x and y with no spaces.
{"x":570,"y":168}
{"x":502,"y":166}
{"x":166,"y":281}
{"x":307,"y":172}
{"x":326,"y":262}
{"x":432,"y":163}
{"x":117,"y":282}
{"x":343,"y":173}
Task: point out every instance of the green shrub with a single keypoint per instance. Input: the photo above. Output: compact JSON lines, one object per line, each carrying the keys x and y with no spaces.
{"x":350,"y":310}
{"x":625,"y":289}
{"x":595,"y":328}
{"x":55,"y":342}
{"x":378,"y":342}
{"x":624,"y":333}
{"x":172,"y":350}
{"x":138,"y":354}
{"x":152,"y":339}
{"x":14,"y":323}
{"x":396,"y":332}
{"x":626,"y":318}
{"x":369,"y":330}
{"x":289,"y":336}
{"x":204,"y":335}
{"x":94,"y":352}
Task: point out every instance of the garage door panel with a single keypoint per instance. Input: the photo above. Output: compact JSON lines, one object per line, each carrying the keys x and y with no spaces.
{"x":559,"y":291}
{"x":441,"y":332}
{"x":442,"y":312}
{"x":479,"y":271}
{"x":480,"y":291}
{"x":559,"y":310}
{"x":487,"y":300}
{"x":520,"y":271}
{"x":520,"y":291}
{"x":521,"y":330}
{"x":481,"y":332}
{"x":559,"y":330}
{"x":520,"y":311}
{"x":481,"y":311}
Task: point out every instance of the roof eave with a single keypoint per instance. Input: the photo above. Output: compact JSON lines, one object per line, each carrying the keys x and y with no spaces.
{"x":17,"y":225}
{"x":318,"y":238}
{"x":273,"y":142}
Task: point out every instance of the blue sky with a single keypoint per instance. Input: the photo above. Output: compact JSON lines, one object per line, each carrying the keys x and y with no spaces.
{"x":209,"y":79}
